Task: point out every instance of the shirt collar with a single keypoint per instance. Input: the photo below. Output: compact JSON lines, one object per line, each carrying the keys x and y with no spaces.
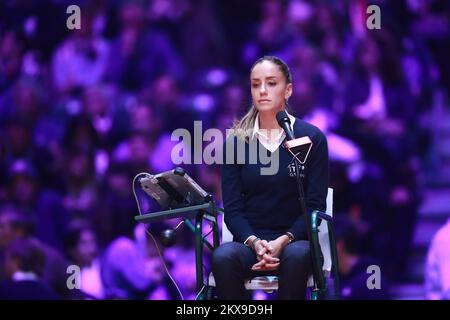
{"x":257,"y":130}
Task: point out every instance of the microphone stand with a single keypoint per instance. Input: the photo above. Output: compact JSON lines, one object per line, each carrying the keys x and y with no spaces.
{"x":316,"y":254}
{"x":317,"y":259}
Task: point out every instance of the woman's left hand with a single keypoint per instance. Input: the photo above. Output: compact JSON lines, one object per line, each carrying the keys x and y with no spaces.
{"x":276,"y":247}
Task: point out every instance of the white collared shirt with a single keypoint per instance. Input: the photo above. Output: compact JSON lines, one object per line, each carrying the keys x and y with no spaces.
{"x":263,"y":137}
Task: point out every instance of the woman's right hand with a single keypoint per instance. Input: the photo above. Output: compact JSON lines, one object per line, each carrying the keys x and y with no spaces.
{"x":266,"y":262}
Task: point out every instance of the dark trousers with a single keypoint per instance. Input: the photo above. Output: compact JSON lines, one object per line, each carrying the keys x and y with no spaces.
{"x":232,"y":263}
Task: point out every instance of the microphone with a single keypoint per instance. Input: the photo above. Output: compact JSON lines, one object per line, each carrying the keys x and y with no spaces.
{"x":299,"y":147}
{"x":285,"y":123}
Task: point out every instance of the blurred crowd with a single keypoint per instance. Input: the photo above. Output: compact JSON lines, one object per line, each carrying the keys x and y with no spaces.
{"x":83,"y":111}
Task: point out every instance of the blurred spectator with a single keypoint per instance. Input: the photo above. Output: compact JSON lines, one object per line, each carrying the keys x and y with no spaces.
{"x":144,"y":119}
{"x":100,"y":112}
{"x":39,"y":22}
{"x":312,"y":92}
{"x":166,"y":98}
{"x":81,"y":194}
{"x":42,"y":206}
{"x":22,"y":101}
{"x":116,"y":209}
{"x":353,"y":264}
{"x":82,"y":59}
{"x":133,"y":60}
{"x":231,"y":106}
{"x":208,"y":50}
{"x":81,"y":135}
{"x":11,"y":51}
{"x":24,"y":263}
{"x":432,"y":25}
{"x":81,"y":247}
{"x":272,"y":34}
{"x":136,"y":151}
{"x":437,"y":269}
{"x":130,"y":267}
{"x":182,"y":259}
{"x":17,"y":226}
{"x":108,"y":117}
{"x":19,"y":146}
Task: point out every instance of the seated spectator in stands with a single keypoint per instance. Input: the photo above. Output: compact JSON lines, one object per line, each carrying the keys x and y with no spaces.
{"x":353,"y":265}
{"x":23,"y":141}
{"x":139,"y":54}
{"x":17,"y":226}
{"x":271,"y":35}
{"x":145,"y":119}
{"x":11,"y":54}
{"x":437,"y":270}
{"x":107,"y":117}
{"x":166,"y":97}
{"x":82,"y":59}
{"x":136,"y":150}
{"x":231,"y":105}
{"x":81,"y":192}
{"x":129,"y":268}
{"x":81,"y":247}
{"x":24,"y":263}
{"x":80,"y":135}
{"x":117,"y":208}
{"x":42,"y":206}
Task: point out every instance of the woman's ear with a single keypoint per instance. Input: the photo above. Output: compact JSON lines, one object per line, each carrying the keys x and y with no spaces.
{"x":288,"y":91}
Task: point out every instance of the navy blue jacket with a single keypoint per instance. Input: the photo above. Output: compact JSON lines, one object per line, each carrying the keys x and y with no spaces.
{"x":267,"y":205}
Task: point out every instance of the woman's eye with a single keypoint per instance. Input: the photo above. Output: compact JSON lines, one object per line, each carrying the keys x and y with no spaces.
{"x":255,"y":85}
{"x":272,"y":83}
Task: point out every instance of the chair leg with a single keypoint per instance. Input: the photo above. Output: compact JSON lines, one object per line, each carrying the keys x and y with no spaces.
{"x":334,"y":260}
{"x":206,"y":293}
{"x":317,"y":260}
{"x":318,"y":294}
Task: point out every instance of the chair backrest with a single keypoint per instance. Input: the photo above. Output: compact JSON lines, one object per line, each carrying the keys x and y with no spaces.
{"x":227,"y":236}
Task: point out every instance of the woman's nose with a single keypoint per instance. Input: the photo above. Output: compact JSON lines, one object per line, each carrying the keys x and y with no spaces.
{"x":262,"y":89}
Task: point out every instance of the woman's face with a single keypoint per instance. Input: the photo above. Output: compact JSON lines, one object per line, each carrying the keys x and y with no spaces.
{"x":269,"y":87}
